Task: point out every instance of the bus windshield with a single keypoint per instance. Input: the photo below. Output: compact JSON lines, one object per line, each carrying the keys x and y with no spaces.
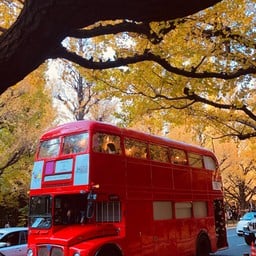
{"x":71,"y":144}
{"x":75,"y":143}
{"x":49,"y":148}
{"x":40,"y":212}
{"x":67,"y":210}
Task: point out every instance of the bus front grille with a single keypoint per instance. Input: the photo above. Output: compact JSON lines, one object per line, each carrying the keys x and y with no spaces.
{"x":49,"y":250}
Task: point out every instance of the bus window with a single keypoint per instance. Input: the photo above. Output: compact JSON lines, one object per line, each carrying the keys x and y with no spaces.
{"x":135,"y":148}
{"x":106,"y":143}
{"x":209,"y":163}
{"x":200,"y":209}
{"x":75,"y":143}
{"x":40,"y":211}
{"x":49,"y":148}
{"x":183,"y":210}
{"x":162,"y":210}
{"x":70,"y":209}
{"x":195,"y":160}
{"x":158,"y":153}
{"x":178,"y":156}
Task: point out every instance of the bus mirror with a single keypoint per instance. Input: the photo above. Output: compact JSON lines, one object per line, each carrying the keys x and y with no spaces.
{"x":90,"y":204}
{"x":90,"y":209}
{"x":92,"y":196}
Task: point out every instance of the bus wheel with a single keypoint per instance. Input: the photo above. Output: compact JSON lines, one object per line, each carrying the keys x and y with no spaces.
{"x":249,"y":238}
{"x":203,"y":246}
{"x":108,"y":250}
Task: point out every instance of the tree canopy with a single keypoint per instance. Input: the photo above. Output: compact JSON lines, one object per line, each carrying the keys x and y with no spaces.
{"x":42,"y":25}
{"x":201,"y":65}
{"x":22,"y":119}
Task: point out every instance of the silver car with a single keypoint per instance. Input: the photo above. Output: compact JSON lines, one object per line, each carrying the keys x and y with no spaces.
{"x":13,"y":241}
{"x":244,"y":221}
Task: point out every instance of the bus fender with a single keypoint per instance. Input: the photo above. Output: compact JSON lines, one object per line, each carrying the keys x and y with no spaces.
{"x":109,"y":250}
{"x":203,"y":244}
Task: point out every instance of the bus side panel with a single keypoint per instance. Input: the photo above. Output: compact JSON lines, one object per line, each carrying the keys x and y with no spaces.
{"x":181,"y":178}
{"x":111,"y":174}
{"x":185,"y":237}
{"x":139,"y":207}
{"x":200,"y":180}
{"x":139,"y":228}
{"x":165,"y":238}
{"x":138,"y":174}
{"x":161,"y":177}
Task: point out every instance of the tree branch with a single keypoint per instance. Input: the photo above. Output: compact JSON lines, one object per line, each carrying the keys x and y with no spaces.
{"x":193,"y":96}
{"x":61,"y":52}
{"x":43,"y":24}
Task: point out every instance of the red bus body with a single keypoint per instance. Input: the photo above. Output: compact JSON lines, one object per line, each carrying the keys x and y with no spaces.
{"x":146,"y":199}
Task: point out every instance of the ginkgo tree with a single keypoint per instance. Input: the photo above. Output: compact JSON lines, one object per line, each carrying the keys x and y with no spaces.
{"x":23,"y":118}
{"x":78,"y":93}
{"x":207,"y":57}
{"x":220,"y":43}
{"x":238,"y":167}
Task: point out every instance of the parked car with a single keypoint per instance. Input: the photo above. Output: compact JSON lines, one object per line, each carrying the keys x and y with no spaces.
{"x":13,"y":241}
{"x":244,"y":221}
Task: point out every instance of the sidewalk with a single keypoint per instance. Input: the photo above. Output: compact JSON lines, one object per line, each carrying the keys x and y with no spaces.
{"x":231,"y":223}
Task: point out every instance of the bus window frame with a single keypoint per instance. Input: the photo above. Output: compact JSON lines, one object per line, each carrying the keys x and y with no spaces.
{"x":194,"y":159}
{"x":184,"y":160}
{"x":157,"y":159}
{"x":108,"y":143}
{"x":79,"y":145}
{"x":134,"y":150}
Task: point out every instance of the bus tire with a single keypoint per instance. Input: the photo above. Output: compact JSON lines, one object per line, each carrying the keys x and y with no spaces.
{"x":109,"y":250}
{"x":249,"y":239}
{"x":203,"y":245}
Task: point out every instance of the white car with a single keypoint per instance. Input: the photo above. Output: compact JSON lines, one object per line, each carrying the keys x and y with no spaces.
{"x":13,"y":241}
{"x":243,"y":222}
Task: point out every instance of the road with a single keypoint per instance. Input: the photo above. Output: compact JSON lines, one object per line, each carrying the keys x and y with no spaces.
{"x":237,"y":246}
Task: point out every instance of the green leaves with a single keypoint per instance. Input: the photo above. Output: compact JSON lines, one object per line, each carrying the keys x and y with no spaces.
{"x":25,"y":112}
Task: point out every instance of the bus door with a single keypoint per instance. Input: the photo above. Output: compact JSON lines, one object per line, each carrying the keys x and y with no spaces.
{"x":220,"y":226}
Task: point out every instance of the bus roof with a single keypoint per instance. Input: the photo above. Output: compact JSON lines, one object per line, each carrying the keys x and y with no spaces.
{"x":83,"y":125}
{"x":76,"y":127}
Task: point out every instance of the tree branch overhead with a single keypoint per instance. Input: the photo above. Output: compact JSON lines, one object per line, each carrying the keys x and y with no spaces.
{"x":43,"y":24}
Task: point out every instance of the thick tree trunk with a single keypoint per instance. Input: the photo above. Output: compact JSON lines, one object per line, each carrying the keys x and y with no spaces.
{"x":43,"y":24}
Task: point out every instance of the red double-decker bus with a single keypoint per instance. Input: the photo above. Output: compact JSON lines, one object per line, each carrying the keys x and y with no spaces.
{"x":100,"y":190}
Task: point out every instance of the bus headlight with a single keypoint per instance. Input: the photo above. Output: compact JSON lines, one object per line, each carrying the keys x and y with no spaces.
{"x":76,"y":254}
{"x":29,"y":252}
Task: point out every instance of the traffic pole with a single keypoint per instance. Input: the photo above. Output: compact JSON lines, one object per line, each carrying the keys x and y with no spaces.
{"x":253,"y":250}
